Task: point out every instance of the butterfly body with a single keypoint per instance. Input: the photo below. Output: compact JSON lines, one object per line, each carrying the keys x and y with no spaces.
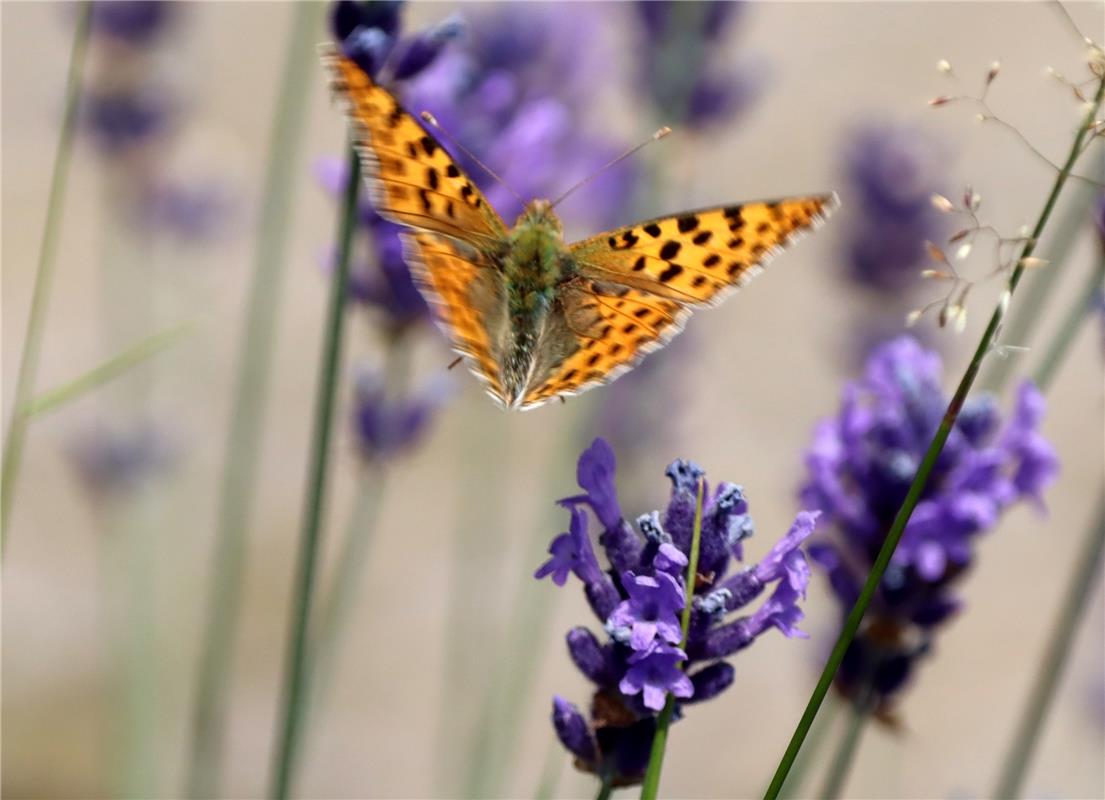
{"x":535,"y":264}
{"x":534,"y":316}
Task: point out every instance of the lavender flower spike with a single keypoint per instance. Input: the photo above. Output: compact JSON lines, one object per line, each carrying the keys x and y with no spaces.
{"x":644,"y":659}
{"x":859,"y":468}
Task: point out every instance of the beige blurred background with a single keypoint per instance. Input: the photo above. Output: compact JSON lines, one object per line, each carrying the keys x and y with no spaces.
{"x":767,"y":365}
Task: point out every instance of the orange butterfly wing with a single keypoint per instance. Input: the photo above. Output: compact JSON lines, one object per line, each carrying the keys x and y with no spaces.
{"x":468,"y":300}
{"x":638,"y":284}
{"x":611,"y":328}
{"x":699,"y":256}
{"x":415,"y":181}
{"x":417,"y":184}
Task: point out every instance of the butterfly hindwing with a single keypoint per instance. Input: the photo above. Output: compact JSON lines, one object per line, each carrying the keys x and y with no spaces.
{"x":598,"y":331}
{"x":698,"y":256}
{"x":467,"y":297}
{"x":416,"y":182}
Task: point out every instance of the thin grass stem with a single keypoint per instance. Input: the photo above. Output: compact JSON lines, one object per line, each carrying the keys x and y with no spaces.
{"x":118,"y":365}
{"x":296,"y":670}
{"x":1057,"y":351}
{"x":913,"y":496}
{"x":44,"y":276}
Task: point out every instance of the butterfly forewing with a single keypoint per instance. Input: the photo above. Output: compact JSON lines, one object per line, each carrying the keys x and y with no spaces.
{"x":698,"y":256}
{"x":417,"y":183}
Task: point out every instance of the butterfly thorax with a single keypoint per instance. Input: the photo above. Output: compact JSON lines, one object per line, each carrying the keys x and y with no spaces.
{"x":534,"y":264}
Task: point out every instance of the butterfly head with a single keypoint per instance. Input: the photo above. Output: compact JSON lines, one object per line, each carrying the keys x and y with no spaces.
{"x":539,"y":213}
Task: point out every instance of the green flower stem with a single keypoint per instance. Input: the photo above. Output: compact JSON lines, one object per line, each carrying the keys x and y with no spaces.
{"x":849,"y":745}
{"x":44,"y":276}
{"x":650,"y":787}
{"x":296,"y":670}
{"x":108,"y":370}
{"x":894,"y":535}
{"x":1057,"y":350}
{"x":606,"y":788}
{"x":1086,"y":573}
{"x":1037,"y":289}
{"x":240,"y":459}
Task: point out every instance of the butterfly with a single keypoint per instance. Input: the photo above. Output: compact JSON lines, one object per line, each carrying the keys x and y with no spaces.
{"x":535,"y":317}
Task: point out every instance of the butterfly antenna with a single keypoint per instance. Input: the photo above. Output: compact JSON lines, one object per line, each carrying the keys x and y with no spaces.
{"x":432,"y":121}
{"x":660,"y":134}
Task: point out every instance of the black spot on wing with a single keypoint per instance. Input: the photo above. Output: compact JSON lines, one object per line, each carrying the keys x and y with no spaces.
{"x":670,"y":250}
{"x":670,"y":273}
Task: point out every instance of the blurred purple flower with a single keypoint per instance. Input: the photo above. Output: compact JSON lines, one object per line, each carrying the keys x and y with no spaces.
{"x":893,"y":170}
{"x":191,"y":211}
{"x":369,"y":33}
{"x":132,"y":22}
{"x":388,"y":426}
{"x":119,"y":120}
{"x":113,"y":462}
{"x":515,"y":93}
{"x":130,"y":114}
{"x":859,"y":468}
{"x":639,"y":600}
{"x":681,"y":67}
{"x":379,"y":277}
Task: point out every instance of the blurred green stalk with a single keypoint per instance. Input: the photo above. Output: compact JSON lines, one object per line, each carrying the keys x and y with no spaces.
{"x":522,"y":648}
{"x":1029,"y":311}
{"x":469,"y":587}
{"x":44,"y":275}
{"x":1087,"y":570}
{"x":137,"y":702}
{"x":296,"y":670}
{"x":1060,"y":345}
{"x":650,"y":786}
{"x":841,"y":764}
{"x":894,"y":535}
{"x":239,"y":477}
{"x":550,"y":771}
{"x":352,"y":559}
{"x":808,"y":755}
{"x":360,"y":531}
{"x":101,"y":374}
